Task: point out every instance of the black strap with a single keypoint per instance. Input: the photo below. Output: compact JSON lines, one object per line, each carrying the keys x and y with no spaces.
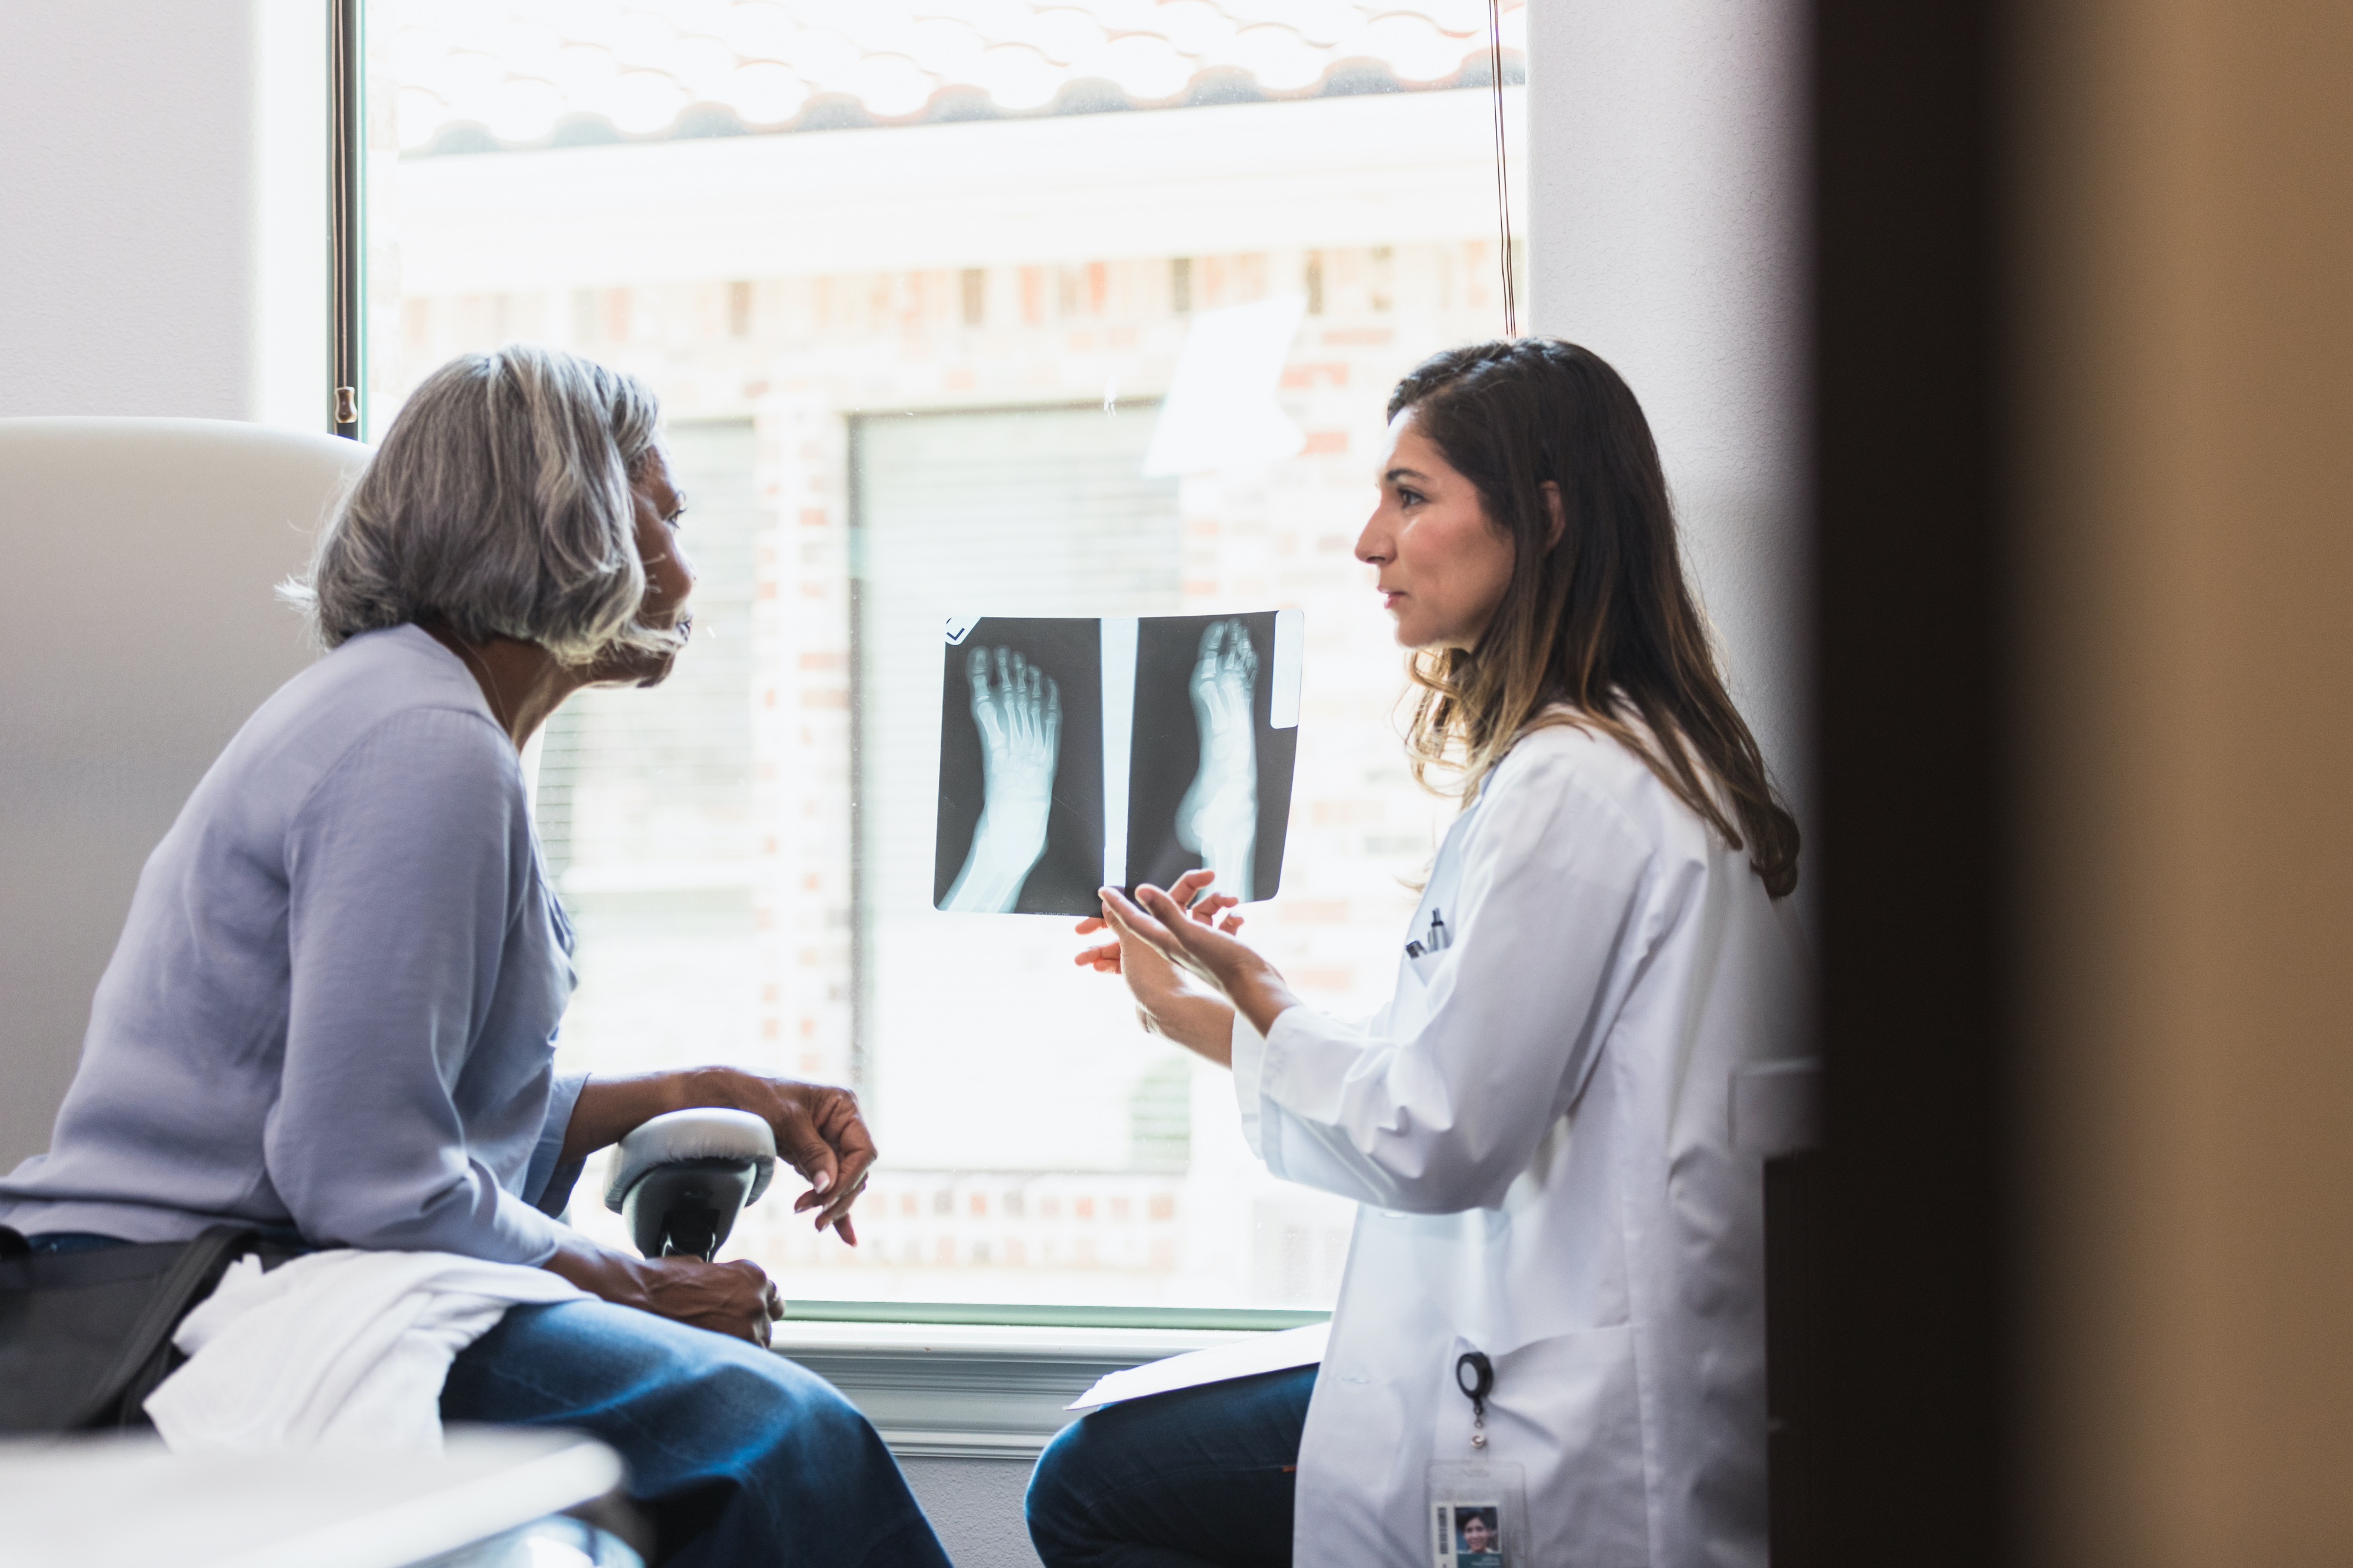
{"x":143,"y":1353}
{"x":12,"y":1244}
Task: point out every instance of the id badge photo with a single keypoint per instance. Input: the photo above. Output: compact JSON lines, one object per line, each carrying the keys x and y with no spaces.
{"x":1478,"y":1506}
{"x":1478,"y":1514}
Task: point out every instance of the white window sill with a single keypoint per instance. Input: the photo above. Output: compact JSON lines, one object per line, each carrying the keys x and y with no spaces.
{"x":974,"y":1391}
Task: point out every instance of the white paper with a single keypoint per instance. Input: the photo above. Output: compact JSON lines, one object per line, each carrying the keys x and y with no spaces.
{"x":1220,"y":416}
{"x":1219,"y":1364}
{"x":1290,"y":655}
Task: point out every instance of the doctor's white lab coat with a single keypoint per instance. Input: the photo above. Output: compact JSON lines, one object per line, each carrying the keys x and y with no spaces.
{"x":1555,"y":1131}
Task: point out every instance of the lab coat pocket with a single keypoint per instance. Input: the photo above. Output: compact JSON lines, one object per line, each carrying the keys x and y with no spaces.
{"x":1777,"y":1106}
{"x":1566,"y":1410}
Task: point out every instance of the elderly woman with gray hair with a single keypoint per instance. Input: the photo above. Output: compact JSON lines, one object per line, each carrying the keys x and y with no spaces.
{"x":333,"y":1009}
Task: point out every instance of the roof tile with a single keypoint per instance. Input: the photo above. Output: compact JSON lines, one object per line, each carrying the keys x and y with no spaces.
{"x":521,"y":73}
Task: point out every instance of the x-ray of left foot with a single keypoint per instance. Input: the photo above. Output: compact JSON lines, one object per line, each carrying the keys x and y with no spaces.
{"x":1018,"y":712}
{"x":1218,"y":818}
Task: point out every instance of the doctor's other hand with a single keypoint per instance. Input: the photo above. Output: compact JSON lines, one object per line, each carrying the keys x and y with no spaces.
{"x":1188,"y":891}
{"x":1153,"y":924}
{"x":1170,"y":1001}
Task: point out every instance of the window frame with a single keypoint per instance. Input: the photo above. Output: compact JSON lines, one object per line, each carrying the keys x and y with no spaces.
{"x":348,"y":152}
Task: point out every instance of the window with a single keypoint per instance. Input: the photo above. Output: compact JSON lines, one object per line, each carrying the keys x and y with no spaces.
{"x":970,"y":308}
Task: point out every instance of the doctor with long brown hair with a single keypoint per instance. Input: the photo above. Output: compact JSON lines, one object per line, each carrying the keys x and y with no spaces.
{"x":1551,"y":1129}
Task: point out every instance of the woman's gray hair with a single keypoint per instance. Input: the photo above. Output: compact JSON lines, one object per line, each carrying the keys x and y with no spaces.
{"x":498,"y":505}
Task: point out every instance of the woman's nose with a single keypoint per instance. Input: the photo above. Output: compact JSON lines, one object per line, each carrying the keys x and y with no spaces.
{"x":681,"y":573}
{"x":1373,"y":543}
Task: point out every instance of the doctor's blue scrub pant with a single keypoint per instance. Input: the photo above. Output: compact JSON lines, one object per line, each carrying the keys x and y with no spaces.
{"x":736,"y":1456}
{"x":1197,"y":1478}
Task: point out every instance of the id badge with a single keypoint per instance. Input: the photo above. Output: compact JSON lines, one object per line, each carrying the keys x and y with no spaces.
{"x":1478,"y":1514}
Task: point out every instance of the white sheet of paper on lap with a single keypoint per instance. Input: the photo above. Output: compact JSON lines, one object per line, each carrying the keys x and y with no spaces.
{"x":1219,"y":1364}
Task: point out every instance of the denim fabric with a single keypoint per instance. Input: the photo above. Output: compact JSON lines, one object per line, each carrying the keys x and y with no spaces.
{"x":1197,"y":1478}
{"x":63,"y":1241}
{"x":737,"y":1456}
{"x":56,"y":1242}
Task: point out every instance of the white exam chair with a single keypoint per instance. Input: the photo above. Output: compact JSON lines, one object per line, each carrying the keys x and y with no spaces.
{"x":140,"y":631}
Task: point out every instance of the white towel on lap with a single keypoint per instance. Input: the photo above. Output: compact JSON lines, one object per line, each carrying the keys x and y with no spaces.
{"x":335,"y":1350}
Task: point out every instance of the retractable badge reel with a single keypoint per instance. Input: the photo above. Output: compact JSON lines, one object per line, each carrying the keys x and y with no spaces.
{"x":1478,"y":1504}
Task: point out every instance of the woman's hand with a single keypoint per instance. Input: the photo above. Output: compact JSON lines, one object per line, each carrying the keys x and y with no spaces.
{"x":1157,"y":923}
{"x":817,"y":1126}
{"x":1169,"y":1001}
{"x":735,"y":1299}
{"x":1187,"y":891}
{"x":818,"y":1133}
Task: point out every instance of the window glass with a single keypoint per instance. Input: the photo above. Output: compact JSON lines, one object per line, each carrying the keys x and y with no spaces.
{"x":957,"y":307}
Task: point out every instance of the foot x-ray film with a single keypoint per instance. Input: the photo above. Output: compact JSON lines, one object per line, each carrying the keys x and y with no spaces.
{"x":1125,"y":750}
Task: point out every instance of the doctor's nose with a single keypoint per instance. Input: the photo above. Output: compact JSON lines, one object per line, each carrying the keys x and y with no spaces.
{"x":1374,"y":546}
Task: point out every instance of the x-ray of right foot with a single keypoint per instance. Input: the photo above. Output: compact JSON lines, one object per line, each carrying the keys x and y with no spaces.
{"x":1218,"y":818}
{"x":1019,"y":716}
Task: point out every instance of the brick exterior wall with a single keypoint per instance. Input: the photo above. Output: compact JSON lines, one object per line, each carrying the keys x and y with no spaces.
{"x":800,"y":357}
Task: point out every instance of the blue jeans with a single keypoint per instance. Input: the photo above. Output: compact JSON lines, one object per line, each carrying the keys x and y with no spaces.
{"x":736,"y":1456}
{"x":1202,"y":1476}
{"x":56,"y":1243}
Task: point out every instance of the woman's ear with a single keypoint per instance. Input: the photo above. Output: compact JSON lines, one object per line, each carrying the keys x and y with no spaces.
{"x":1556,"y":515}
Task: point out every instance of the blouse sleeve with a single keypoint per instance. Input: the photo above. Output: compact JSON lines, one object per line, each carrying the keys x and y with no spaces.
{"x":547,"y":1183}
{"x":405,"y":866}
{"x":1442,"y":1117}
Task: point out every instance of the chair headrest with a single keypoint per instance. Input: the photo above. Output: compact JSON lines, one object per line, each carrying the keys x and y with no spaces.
{"x":708,"y":1133}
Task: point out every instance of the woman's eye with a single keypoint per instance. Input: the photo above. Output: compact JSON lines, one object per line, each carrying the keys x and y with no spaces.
{"x":1409,"y":498}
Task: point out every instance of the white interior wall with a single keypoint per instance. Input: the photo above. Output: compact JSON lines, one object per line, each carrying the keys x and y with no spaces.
{"x":161,"y":171}
{"x":1667,"y":149}
{"x":162,"y":209}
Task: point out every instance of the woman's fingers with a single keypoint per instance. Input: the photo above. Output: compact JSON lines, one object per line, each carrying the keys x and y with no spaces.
{"x":821,"y":1134}
{"x":842,"y":1127}
{"x":730,"y":1298}
{"x":1166,"y":915}
{"x":1187,"y":888}
{"x":1134,"y":924}
{"x":757,"y":1277}
{"x":838,"y":1212}
{"x":804,"y":1150}
{"x":1192,"y":891}
{"x":1194,"y":941}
